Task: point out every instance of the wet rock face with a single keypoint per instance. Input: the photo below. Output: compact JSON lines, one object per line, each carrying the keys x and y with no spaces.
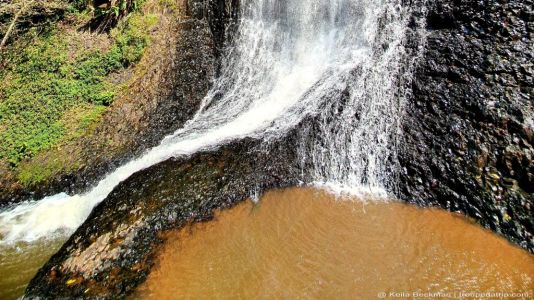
{"x":469,"y":127}
{"x":112,"y":252}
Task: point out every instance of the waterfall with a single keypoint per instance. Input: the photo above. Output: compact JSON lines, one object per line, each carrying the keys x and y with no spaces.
{"x":338,"y":61}
{"x":352,"y":148}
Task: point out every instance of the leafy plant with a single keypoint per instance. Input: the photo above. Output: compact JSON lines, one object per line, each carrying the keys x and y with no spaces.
{"x":42,"y":82}
{"x":109,"y":14}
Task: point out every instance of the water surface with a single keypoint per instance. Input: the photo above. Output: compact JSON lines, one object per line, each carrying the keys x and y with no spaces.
{"x":303,"y":243}
{"x":19,"y":262}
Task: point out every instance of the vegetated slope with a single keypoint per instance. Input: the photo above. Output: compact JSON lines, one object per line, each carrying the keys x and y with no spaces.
{"x":80,"y":92}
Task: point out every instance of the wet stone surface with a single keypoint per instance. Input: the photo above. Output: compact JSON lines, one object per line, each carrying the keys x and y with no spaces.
{"x":469,"y":128}
{"x":113,"y":251}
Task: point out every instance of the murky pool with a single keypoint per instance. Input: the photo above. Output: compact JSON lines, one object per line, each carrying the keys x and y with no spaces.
{"x":305,"y":243}
{"x":19,"y":262}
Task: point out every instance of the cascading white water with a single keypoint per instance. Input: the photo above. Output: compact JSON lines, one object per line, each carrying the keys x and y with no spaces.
{"x":353,"y":148}
{"x":336,"y":59}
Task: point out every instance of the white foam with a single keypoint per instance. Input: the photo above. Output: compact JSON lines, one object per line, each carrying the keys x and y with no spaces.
{"x":291,"y":59}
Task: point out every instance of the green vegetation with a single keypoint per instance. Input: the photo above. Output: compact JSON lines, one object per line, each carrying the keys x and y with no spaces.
{"x":118,"y":8}
{"x":53,"y":89}
{"x":132,"y":39}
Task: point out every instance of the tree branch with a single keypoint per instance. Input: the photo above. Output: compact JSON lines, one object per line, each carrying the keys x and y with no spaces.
{"x":13,"y":23}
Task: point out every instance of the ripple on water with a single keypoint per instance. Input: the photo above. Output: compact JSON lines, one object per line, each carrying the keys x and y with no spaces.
{"x":20,"y":261}
{"x":305,"y":243}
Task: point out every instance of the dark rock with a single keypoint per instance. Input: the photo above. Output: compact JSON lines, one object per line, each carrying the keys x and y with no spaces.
{"x":468,"y":135}
{"x":113,"y":251}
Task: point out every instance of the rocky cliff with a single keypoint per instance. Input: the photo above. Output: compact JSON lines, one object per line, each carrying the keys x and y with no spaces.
{"x":467,"y":147}
{"x":469,"y":127}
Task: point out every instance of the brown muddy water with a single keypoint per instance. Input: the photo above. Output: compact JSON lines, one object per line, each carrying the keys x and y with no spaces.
{"x":20,"y":262}
{"x":305,"y":243}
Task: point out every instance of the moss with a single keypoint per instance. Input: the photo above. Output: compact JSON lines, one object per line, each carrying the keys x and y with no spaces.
{"x":132,"y":39}
{"x":46,"y":79}
{"x":82,"y":120}
{"x":120,"y":7}
{"x":38,"y":172}
{"x":171,"y":4}
{"x":78,"y":122}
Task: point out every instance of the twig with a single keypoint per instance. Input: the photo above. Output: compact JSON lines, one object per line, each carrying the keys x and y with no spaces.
{"x":13,"y":23}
